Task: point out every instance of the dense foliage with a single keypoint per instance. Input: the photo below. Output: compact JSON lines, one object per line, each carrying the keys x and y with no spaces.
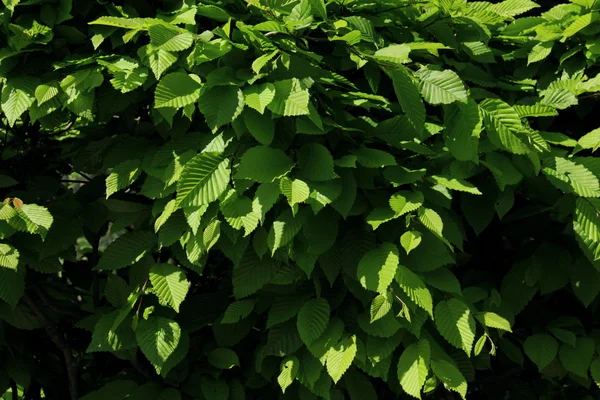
{"x":299,"y":199}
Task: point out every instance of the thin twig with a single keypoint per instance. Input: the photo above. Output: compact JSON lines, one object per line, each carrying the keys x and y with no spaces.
{"x":84,"y":175}
{"x":65,"y":129}
{"x":314,"y":39}
{"x":61,"y":342}
{"x":73,"y":181}
{"x":141,"y":297}
{"x":434,"y":21}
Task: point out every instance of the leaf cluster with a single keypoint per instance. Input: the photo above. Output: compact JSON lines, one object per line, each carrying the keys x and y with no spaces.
{"x":299,"y":199}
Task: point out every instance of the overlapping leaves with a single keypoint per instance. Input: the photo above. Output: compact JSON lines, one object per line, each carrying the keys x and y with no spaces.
{"x":309,"y":197}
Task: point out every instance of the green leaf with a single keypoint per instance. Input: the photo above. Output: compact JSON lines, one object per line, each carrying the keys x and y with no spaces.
{"x":359,"y":386}
{"x":414,"y":288}
{"x":46,"y":92}
{"x":158,"y":338}
{"x":159,"y":60}
{"x":575,"y":174}
{"x":394,"y":54}
{"x":479,"y":51}
{"x":214,"y":389}
{"x":259,"y":96}
{"x":409,"y":98}
{"x":595,"y":371}
{"x":493,"y":320}
{"x":250,"y":275}
{"x":431,"y":220}
{"x":454,"y":321}
{"x":380,"y":306}
{"x":319,"y":8}
{"x":260,"y":62}
{"x":169,"y":209}
{"x":238,"y":212}
{"x":291,"y":98}
{"x":237,"y":311}
{"x":539,"y":52}
{"x":455,"y":184}
{"x":373,"y":158}
{"x":590,"y":140}
{"x":116,"y":291}
{"x":7,"y":181}
{"x":33,"y":219}
{"x":535,"y":110}
{"x":115,"y":389}
{"x":263,"y":164}
{"x":316,"y":163}
{"x":340,"y":357}
{"x":321,"y":347}
{"x":479,"y":345}
{"x":265,"y":197}
{"x":403,"y":202}
{"x":443,"y":280}
{"x":344,"y":202}
{"x":313,"y":318}
{"x":379,"y":216}
{"x":170,"y":284}
{"x":17,"y":96}
{"x":541,"y":349}
{"x":221,"y":105}
{"x":127,"y":73}
{"x":564,"y":335}
{"x":9,"y":256}
{"x":413,"y":367}
{"x":585,"y":281}
{"x":169,"y":38}
{"x":410,"y":240}
{"x":352,"y":38}
{"x":559,"y":98}
{"x":290,"y":366}
{"x":577,"y":359}
{"x":586,"y":225}
{"x":12,"y":285}
{"x":203,"y":179}
{"x":108,"y":335}
{"x":513,"y":7}
{"x":580,"y":23}
{"x":223,"y":358}
{"x":296,"y":191}
{"x":261,"y":126}
{"x":377,"y":268}
{"x":126,"y":250}
{"x":450,"y":376}
{"x":126,"y":82}
{"x":122,"y":176}
{"x":205,"y":52}
{"x":283,"y":309}
{"x":502,"y":123}
{"x":441,"y":87}
{"x":118,"y":22}
{"x":177,"y":90}
{"x":503,"y":169}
